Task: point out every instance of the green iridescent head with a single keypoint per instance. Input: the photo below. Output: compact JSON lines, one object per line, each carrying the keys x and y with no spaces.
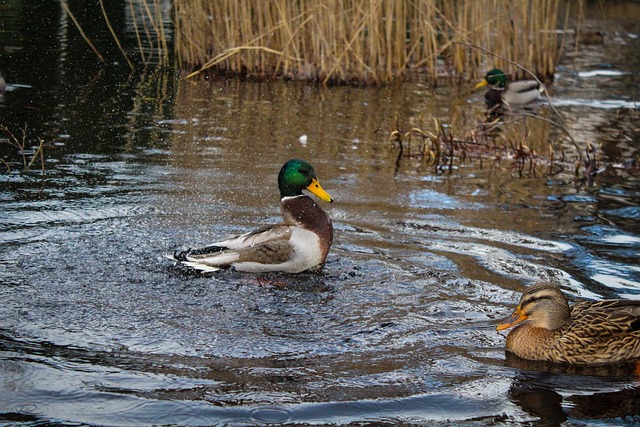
{"x":495,"y":78}
{"x":297,"y":175}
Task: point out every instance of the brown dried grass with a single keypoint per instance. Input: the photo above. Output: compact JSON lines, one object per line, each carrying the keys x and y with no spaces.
{"x":365,"y":41}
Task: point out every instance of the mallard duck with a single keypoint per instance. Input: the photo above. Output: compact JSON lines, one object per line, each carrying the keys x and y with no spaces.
{"x":589,"y":332}
{"x":300,"y":242}
{"x":509,"y":94}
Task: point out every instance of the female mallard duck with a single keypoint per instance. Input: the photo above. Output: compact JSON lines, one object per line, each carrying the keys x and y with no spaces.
{"x":509,"y":94}
{"x":301,"y":242}
{"x":588,"y":332}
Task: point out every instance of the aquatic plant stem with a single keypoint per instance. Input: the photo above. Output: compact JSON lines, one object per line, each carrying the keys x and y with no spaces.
{"x":137,"y":31}
{"x":115,"y":37}
{"x":156,"y":23}
{"x":65,"y":6}
{"x":38,"y":154}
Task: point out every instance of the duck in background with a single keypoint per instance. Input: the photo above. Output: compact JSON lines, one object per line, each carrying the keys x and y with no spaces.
{"x":508,"y":94}
{"x":589,"y":332}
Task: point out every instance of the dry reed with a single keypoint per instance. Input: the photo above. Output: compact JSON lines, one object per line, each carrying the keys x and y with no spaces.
{"x":65,"y":6}
{"x":365,"y":41}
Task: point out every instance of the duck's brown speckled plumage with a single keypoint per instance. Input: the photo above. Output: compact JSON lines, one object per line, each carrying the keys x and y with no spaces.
{"x":588,"y":332}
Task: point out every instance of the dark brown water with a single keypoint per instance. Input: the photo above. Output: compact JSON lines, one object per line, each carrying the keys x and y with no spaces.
{"x":98,"y":327}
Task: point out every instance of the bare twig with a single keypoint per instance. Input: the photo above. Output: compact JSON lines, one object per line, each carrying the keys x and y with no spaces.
{"x":20,"y":144}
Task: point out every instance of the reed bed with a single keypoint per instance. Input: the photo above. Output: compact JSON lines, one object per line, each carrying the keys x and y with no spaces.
{"x":366,"y":41}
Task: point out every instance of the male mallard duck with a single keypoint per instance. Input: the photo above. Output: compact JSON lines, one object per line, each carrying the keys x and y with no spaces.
{"x":510,"y":94}
{"x":588,"y":332}
{"x":301,"y":242}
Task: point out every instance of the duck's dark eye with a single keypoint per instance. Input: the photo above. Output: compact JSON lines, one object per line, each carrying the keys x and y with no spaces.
{"x":303,"y":171}
{"x":536,"y":298}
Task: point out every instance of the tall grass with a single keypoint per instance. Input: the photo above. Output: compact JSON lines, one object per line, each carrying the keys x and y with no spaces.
{"x":365,"y":41}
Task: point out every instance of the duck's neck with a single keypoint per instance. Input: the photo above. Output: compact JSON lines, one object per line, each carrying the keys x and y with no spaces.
{"x":302,"y":210}
{"x":493,"y":97}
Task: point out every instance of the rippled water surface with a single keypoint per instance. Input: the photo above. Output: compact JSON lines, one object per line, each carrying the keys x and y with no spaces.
{"x":98,"y":327}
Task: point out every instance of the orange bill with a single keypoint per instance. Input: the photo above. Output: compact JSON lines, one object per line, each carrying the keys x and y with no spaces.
{"x":317,"y":189}
{"x":517,"y":317}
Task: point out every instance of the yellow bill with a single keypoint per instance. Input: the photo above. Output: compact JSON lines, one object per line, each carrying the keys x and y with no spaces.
{"x":482,"y":84}
{"x":316,"y":189}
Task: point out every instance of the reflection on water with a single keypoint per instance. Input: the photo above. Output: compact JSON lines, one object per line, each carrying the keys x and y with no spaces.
{"x":555,"y":393}
{"x":98,"y":327}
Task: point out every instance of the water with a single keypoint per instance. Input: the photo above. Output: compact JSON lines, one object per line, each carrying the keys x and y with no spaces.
{"x":98,"y":327}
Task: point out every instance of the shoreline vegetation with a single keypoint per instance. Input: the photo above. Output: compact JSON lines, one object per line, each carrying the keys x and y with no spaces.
{"x":357,"y":42}
{"x":367,"y":42}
